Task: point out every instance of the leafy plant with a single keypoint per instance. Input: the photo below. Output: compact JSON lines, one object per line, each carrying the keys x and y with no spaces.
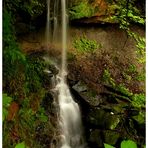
{"x":132,"y":68}
{"x":138,"y":100}
{"x":140,"y":118}
{"x":123,"y":90}
{"x":83,"y":44}
{"x":81,"y":10}
{"x":6,"y":103}
{"x":108,"y":146}
{"x":34,"y":73}
{"x":21,"y":145}
{"x":124,"y":144}
{"x":41,"y":115}
{"x":128,"y":144}
{"x":13,"y":58}
{"x":33,"y":8}
{"x":107,"y":78}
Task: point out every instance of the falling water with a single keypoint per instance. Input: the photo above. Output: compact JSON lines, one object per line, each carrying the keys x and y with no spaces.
{"x":69,"y":110}
{"x":48,"y":24}
{"x":70,"y":117}
{"x":55,"y":17}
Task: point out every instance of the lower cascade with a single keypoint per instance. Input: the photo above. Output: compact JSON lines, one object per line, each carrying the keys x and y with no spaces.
{"x":71,"y":126}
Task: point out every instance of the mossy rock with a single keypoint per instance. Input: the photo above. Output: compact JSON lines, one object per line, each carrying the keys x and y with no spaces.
{"x":111,"y":137}
{"x":102,"y":119}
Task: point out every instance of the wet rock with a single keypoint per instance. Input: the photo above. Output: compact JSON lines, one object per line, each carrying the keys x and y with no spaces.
{"x":86,"y":94}
{"x":110,"y":137}
{"x":98,"y":118}
{"x":44,"y":140}
{"x":95,"y":139}
{"x":47,"y":101}
{"x":22,"y":28}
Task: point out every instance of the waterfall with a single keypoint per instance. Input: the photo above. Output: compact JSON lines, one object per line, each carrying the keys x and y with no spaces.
{"x":70,"y":116}
{"x":48,"y":24}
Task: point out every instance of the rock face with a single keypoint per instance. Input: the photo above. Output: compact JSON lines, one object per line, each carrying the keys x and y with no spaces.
{"x":99,"y":122}
{"x":106,"y":119}
{"x":96,"y":11}
{"x":88,"y":95}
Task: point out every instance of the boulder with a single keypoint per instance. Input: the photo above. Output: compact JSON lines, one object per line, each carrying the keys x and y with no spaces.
{"x":98,"y":118}
{"x":95,"y":139}
{"x":89,"y":96}
{"x":110,"y":136}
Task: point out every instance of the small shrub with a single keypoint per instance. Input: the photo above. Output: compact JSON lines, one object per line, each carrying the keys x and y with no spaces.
{"x":6,"y":103}
{"x":138,"y":100}
{"x":132,"y":68}
{"x":13,"y":59}
{"x":108,"y":79}
{"x":81,"y":10}
{"x":85,"y":45}
{"x":123,"y":90}
{"x":34,"y":74}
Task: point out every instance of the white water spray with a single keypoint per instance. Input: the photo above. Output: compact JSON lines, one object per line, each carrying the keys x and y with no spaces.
{"x":70,"y":116}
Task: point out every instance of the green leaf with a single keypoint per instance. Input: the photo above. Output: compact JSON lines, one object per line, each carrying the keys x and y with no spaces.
{"x":108,"y":146}
{"x":128,"y":144}
{"x":6,"y":100}
{"x":20,"y":145}
{"x":5,"y":113}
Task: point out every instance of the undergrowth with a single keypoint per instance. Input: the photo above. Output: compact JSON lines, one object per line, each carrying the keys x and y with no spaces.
{"x":85,"y":45}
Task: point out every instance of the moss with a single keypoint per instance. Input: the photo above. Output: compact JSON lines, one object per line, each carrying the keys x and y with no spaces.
{"x":108,"y":79}
{"x":138,"y":100}
{"x":111,"y":137}
{"x":132,"y":68}
{"x":140,"y":118}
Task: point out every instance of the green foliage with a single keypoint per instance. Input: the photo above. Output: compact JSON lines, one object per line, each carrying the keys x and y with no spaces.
{"x":13,"y":58}
{"x":108,"y":146}
{"x":127,"y":13}
{"x":141,"y":45}
{"x":20,"y":145}
{"x":128,"y":144}
{"x":132,"y":68}
{"x":140,"y":77}
{"x":34,"y":7}
{"x":107,"y":78}
{"x":124,"y":144}
{"x":110,"y":81}
{"x":81,"y":10}
{"x":83,"y":45}
{"x":140,"y":118}
{"x":41,"y":115}
{"x":6,"y":103}
{"x":34,"y":74}
{"x":123,"y":89}
{"x":138,"y":100}
{"x":27,"y":118}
